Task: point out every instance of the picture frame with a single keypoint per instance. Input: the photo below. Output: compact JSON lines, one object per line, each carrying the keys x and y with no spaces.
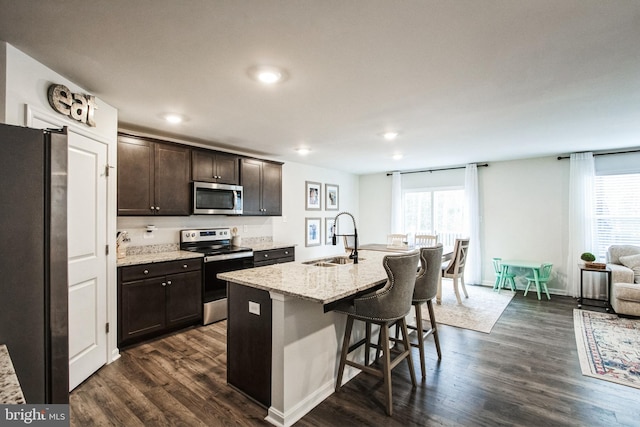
{"x":313,"y":231}
{"x":330,"y":227}
{"x":331,"y":197}
{"x":312,"y":196}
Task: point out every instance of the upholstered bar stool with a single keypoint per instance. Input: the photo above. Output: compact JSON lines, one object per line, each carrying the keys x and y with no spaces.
{"x":424,"y":292}
{"x":384,"y":307}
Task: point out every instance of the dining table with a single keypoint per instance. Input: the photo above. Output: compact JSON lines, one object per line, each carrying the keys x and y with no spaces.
{"x":534,"y":266}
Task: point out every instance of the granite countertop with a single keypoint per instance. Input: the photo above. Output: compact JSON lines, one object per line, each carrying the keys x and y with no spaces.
{"x":319,"y":284}
{"x":10,"y":390}
{"x":162,"y":253}
{"x":157,"y":257}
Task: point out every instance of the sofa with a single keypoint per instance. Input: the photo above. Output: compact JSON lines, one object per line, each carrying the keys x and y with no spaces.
{"x":624,"y":262}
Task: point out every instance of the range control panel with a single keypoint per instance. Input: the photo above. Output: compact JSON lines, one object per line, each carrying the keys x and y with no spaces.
{"x":204,"y":235}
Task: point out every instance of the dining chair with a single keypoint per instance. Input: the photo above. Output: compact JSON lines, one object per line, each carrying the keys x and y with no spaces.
{"x":508,"y":277}
{"x":424,"y":240}
{"x":544,"y":274}
{"x":385,"y":307}
{"x":454,"y":268}
{"x":395,"y":240}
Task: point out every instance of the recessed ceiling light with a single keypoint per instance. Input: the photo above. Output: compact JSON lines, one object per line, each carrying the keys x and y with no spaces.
{"x":390,"y":135}
{"x":303,"y":151}
{"x":267,"y":75}
{"x":174,"y":119}
{"x":397,"y":156}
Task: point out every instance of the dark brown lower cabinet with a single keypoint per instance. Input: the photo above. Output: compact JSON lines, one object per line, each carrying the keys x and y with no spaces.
{"x":157,"y":298}
{"x":274,"y":256}
{"x":249,"y":342}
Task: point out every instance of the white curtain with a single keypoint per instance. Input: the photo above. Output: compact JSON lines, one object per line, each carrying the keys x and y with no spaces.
{"x":581,"y":222}
{"x":396,"y":203}
{"x":473,"y":270}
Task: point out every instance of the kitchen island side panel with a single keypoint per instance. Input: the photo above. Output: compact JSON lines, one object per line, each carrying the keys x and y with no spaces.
{"x":249,"y":341}
{"x":306,"y":350}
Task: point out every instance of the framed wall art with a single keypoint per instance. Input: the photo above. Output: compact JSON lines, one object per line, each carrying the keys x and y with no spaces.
{"x":312,"y":196}
{"x":330,"y":228}
{"x":331,"y":197}
{"x":312,"y":231}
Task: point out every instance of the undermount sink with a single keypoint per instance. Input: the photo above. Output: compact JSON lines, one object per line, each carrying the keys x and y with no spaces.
{"x":322,"y":264}
{"x":331,"y":262}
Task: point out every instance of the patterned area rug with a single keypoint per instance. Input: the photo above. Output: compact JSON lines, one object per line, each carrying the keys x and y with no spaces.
{"x":479,"y":312}
{"x":608,"y":346}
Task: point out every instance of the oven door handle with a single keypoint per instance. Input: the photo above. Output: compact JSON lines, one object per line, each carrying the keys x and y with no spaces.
{"x":214,"y":258}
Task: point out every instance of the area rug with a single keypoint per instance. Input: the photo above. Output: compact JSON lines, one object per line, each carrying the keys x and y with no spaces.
{"x":479,"y":312}
{"x":608,"y":346}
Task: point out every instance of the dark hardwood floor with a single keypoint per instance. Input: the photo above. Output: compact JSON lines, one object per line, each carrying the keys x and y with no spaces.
{"x":524,"y":373}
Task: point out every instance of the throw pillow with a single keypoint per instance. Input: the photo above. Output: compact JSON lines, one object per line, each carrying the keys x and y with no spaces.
{"x":632,"y":262}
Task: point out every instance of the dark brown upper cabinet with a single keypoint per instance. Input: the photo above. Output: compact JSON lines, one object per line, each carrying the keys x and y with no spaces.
{"x":214,"y":166}
{"x":262,"y":187}
{"x":153,"y":177}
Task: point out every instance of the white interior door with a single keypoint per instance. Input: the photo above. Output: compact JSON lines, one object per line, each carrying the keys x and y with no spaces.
{"x":87,"y":196}
{"x":87,"y":230}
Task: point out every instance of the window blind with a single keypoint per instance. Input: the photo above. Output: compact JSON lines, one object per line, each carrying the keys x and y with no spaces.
{"x":617,"y":211}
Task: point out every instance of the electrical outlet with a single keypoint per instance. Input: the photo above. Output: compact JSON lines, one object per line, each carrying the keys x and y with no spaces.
{"x":254,"y":308}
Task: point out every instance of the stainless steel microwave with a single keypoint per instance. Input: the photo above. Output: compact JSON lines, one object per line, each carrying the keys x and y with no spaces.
{"x":216,"y":199}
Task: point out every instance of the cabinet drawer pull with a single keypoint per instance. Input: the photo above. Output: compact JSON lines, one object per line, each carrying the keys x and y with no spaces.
{"x":266,"y":255}
{"x":185,"y":266}
{"x":286,"y":252}
{"x":146,"y":272}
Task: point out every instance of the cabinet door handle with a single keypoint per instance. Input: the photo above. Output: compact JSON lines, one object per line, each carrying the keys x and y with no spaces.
{"x":164,"y":284}
{"x":153,"y":208}
{"x":157,"y":208}
{"x":145,"y":272}
{"x":168,"y":282}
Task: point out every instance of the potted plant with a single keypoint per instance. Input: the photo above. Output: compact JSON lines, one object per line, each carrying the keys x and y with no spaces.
{"x":589,"y":259}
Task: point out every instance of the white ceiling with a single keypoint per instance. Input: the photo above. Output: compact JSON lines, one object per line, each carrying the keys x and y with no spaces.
{"x":463,"y":80}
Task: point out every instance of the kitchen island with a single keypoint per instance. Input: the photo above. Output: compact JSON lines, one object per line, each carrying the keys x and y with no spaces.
{"x":283,"y":341}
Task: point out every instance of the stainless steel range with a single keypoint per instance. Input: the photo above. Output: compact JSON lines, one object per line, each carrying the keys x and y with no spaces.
{"x":219,"y":257}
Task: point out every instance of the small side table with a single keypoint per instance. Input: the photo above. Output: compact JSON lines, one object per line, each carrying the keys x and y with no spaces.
{"x":594,"y":302}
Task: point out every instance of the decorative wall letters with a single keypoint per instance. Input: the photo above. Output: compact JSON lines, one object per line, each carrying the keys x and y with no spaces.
{"x":75,"y":105}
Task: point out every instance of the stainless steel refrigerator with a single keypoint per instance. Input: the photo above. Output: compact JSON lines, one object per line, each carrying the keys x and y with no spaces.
{"x":33,"y":260}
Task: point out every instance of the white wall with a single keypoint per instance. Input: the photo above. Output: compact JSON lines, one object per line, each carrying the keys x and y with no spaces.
{"x":287,"y":229}
{"x":27,"y":82}
{"x":523,"y":209}
{"x":291,"y":227}
{"x":375,"y":205}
